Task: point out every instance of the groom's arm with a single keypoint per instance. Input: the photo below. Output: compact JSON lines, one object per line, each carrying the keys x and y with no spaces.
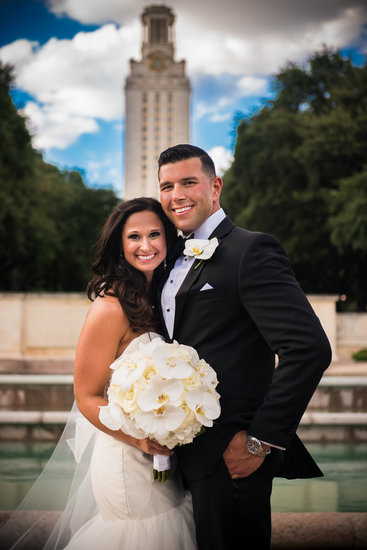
{"x":283,"y":315}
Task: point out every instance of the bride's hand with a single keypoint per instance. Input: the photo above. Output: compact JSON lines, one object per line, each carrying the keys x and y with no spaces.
{"x":153,"y":447}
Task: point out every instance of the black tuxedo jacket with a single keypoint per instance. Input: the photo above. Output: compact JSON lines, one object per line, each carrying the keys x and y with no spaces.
{"x":255,"y":310}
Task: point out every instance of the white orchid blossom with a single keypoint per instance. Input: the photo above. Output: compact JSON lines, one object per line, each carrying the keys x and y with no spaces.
{"x":202,"y":249}
{"x":148,"y":348}
{"x":204,"y":405}
{"x":188,"y":352}
{"x":159,"y":393}
{"x":161,"y":421}
{"x":126,"y":371}
{"x":208,"y":376}
{"x":114,"y":418}
{"x":172,"y":361}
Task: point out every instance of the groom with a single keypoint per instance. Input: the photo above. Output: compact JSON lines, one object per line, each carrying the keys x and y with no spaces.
{"x":238,"y":309}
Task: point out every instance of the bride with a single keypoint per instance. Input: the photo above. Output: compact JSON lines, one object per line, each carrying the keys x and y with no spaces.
{"x":129,"y":510}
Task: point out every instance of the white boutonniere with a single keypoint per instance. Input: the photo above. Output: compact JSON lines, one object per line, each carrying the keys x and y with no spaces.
{"x":201,"y":249}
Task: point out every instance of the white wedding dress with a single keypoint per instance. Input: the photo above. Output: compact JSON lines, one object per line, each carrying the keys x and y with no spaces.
{"x":135,"y":512}
{"x":113,"y":501}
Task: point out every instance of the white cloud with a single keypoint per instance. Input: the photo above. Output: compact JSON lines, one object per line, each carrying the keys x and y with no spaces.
{"x":82,"y":76}
{"x":105,"y":170}
{"x":18,"y":53}
{"x":221,"y":117}
{"x":261,"y":50}
{"x":81,"y":80}
{"x":222,"y":158}
{"x":54,"y":128}
{"x":202,"y":108}
{"x":238,"y":36}
{"x":95,"y":11}
{"x":253,"y":86}
{"x":235,"y":88}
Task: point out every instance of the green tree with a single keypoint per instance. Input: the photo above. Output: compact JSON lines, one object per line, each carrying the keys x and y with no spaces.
{"x":348,"y":223}
{"x":78,"y":213}
{"x":19,"y":194}
{"x":292,"y":163}
{"x":49,"y":218}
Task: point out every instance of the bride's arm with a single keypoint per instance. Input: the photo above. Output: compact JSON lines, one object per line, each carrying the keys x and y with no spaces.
{"x":103,"y":337}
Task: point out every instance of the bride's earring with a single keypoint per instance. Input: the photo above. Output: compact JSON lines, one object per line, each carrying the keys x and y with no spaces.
{"x":120,"y":261}
{"x":164,"y":264}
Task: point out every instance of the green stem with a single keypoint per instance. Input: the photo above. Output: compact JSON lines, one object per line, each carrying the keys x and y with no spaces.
{"x":162,"y":476}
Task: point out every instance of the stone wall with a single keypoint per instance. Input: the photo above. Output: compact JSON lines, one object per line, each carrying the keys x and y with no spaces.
{"x":47,"y":326}
{"x":351,"y":333}
{"x":40,"y":325}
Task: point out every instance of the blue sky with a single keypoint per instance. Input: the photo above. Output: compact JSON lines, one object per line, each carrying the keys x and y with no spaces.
{"x":71,"y":60}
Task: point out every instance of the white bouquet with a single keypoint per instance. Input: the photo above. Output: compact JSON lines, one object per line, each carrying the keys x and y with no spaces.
{"x":164,"y":392}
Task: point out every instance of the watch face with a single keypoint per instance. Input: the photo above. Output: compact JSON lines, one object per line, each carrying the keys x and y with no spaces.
{"x":253,"y":445}
{"x":158,"y":62}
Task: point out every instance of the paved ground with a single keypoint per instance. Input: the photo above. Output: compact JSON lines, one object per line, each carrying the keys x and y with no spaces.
{"x":291,"y":531}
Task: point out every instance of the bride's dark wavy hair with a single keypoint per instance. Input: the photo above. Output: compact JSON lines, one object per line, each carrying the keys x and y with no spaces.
{"x":114,"y":276}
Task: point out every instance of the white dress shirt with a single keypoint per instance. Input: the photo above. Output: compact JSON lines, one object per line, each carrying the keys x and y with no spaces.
{"x":181,"y":268}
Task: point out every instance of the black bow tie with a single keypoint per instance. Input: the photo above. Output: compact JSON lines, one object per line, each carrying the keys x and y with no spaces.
{"x":179,"y":246}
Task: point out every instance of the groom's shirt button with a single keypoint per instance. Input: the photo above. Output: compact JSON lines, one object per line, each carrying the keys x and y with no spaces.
{"x":170,"y":289}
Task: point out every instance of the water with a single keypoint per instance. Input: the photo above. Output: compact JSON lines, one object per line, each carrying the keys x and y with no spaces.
{"x":20,"y":465}
{"x":343,"y":489}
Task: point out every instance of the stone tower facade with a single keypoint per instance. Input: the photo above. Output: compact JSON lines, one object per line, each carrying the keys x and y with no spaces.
{"x":157,"y":98}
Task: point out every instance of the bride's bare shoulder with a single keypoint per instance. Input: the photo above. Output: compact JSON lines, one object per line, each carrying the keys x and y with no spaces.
{"x":106,"y":306}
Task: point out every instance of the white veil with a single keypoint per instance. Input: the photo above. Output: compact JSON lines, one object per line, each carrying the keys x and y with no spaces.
{"x":62,"y":494}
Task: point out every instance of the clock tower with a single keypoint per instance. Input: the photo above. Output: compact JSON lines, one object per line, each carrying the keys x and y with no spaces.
{"x":157,"y":99}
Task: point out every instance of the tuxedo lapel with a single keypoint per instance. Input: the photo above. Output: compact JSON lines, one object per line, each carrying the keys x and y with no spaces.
{"x":220,"y":232}
{"x":222,"y":229}
{"x":181,"y":295}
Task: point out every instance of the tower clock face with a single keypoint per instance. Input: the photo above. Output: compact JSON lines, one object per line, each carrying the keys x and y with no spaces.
{"x":158,"y":62}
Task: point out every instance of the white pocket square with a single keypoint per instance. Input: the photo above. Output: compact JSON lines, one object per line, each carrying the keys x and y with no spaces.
{"x":207,"y":286}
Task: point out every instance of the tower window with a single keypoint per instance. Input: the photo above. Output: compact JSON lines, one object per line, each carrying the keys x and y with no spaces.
{"x":158,"y":31}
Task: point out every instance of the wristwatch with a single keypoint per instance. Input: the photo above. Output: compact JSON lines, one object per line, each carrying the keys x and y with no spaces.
{"x":254,"y":446}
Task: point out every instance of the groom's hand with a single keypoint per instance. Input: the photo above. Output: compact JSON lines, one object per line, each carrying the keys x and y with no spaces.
{"x":239,"y":462}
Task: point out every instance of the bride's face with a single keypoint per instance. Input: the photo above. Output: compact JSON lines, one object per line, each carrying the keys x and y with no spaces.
{"x":144,"y":242}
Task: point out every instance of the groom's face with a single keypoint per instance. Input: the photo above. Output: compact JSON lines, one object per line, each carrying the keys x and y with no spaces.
{"x":188,"y":195}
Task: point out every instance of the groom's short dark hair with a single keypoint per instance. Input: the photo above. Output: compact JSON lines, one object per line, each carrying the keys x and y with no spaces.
{"x":185,"y":151}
